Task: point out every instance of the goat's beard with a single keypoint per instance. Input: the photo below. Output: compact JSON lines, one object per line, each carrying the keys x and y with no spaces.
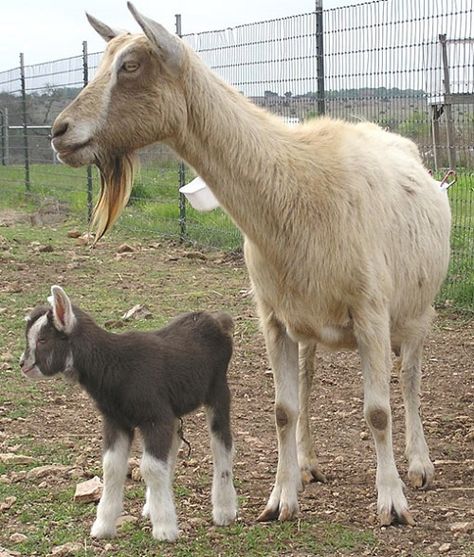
{"x":116,"y":181}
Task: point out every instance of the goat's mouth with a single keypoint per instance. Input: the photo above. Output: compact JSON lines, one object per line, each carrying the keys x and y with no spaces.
{"x":31,"y":372}
{"x":76,"y":154}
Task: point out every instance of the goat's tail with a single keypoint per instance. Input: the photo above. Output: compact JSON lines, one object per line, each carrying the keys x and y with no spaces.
{"x":225,"y":321}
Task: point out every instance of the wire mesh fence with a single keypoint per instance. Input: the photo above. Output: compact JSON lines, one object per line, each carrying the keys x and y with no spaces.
{"x":408,"y":66}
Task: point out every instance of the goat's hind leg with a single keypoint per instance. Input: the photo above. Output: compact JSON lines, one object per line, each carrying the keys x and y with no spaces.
{"x":156,"y":467}
{"x":310,"y":471}
{"x":224,"y":498}
{"x":420,"y":467}
{"x":373,"y":338}
{"x":115,"y":464}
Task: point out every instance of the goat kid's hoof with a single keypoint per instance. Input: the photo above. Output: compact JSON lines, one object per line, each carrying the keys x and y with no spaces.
{"x":421,"y":475}
{"x":101,"y":531}
{"x":165,"y":533}
{"x":224,"y":517}
{"x":388,"y":517}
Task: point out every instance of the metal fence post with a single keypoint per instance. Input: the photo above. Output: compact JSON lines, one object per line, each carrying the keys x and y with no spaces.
{"x":447,"y":105}
{"x":4,"y":134}
{"x":25,"y":124}
{"x":320,"y":57}
{"x":85,"y":79}
{"x":181,"y":169}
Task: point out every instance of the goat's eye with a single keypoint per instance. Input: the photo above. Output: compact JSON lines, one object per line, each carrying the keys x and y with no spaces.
{"x":130,"y":66}
{"x":41,"y":340}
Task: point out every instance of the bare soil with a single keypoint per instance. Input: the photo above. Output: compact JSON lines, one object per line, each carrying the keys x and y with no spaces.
{"x":169,"y":278}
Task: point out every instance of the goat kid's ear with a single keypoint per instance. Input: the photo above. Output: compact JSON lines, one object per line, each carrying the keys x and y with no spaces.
{"x":63,"y":315}
{"x":106,"y":32}
{"x":165,"y":43}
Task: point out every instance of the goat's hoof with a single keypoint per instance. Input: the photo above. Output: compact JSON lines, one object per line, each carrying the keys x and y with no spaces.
{"x":391,"y":516}
{"x":420,"y":475}
{"x":165,"y":533}
{"x":311,"y":473}
{"x":282,"y":514}
{"x":100,"y":530}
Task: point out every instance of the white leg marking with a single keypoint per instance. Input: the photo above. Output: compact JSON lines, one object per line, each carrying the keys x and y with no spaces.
{"x":223,"y":495}
{"x":160,"y":504}
{"x":115,"y":464}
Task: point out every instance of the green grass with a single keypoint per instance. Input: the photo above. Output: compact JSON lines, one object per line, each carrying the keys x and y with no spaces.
{"x":153,"y":210}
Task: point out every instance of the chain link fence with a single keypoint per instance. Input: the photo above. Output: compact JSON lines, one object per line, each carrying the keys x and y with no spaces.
{"x":408,"y":66}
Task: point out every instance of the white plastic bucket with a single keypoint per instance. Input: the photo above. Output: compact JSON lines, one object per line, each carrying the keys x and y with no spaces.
{"x":197,"y":192}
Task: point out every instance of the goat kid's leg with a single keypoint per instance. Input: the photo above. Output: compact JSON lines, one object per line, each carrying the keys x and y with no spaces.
{"x":310,"y":471}
{"x":420,"y":467}
{"x":283,"y":353}
{"x":115,"y":464}
{"x":223,"y":495}
{"x":156,"y":469}
{"x":175,"y":446}
{"x":373,"y":340}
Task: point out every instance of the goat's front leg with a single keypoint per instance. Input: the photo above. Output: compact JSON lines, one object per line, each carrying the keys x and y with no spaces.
{"x":156,"y":468}
{"x":373,"y":338}
{"x":283,"y":354}
{"x":310,"y":471}
{"x":115,"y":464}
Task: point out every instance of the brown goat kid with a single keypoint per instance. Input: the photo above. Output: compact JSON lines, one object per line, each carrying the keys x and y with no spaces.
{"x":346,"y":234}
{"x":145,"y":381}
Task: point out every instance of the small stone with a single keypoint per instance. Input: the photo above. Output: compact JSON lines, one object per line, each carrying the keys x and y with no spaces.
{"x":11,"y":458}
{"x":136,"y":474}
{"x":107,"y":547}
{"x":444,"y":548}
{"x":88,"y":491}
{"x":47,"y":248}
{"x":74,"y":234}
{"x":463,"y":527}
{"x":7,"y":503}
{"x":125,"y":248}
{"x":137,"y":312}
{"x":66,"y":550}
{"x":364,"y":435}
{"x":126,"y":519}
{"x":43,"y":471}
{"x":18,"y":538}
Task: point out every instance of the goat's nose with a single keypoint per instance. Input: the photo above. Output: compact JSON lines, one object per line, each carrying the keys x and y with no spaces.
{"x":59,"y":128}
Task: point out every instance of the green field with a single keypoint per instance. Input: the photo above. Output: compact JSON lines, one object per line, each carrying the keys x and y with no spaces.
{"x":154,"y":209}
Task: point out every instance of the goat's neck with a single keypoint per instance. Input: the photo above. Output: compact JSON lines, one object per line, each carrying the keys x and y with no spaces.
{"x":240,"y":151}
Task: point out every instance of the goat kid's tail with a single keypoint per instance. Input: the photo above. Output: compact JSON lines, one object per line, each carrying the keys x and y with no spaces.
{"x":225,"y":321}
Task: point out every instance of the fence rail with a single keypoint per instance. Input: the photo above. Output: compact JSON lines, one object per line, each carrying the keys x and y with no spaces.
{"x":408,"y":66}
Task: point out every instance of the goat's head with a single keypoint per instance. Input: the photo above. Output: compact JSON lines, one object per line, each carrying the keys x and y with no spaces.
{"x":135,"y":99}
{"x":47,"y":337}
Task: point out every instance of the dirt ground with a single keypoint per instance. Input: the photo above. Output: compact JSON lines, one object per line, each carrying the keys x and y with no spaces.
{"x":158,"y":273}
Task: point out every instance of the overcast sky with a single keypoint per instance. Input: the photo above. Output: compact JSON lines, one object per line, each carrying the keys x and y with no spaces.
{"x":49,"y":29}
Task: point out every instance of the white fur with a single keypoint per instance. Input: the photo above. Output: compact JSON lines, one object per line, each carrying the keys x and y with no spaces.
{"x":160,"y":504}
{"x":115,"y":464}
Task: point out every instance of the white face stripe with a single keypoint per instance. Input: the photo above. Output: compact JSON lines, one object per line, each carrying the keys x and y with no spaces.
{"x":33,"y":335}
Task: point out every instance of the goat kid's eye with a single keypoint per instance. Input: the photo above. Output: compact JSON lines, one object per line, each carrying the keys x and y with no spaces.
{"x":130,"y":66}
{"x":41,"y":341}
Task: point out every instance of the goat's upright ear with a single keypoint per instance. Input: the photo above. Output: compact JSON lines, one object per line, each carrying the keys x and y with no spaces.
{"x":167,"y":45}
{"x":106,"y":32}
{"x":63,"y":315}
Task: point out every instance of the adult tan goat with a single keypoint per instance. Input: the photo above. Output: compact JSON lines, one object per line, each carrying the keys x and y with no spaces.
{"x":346,"y":234}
